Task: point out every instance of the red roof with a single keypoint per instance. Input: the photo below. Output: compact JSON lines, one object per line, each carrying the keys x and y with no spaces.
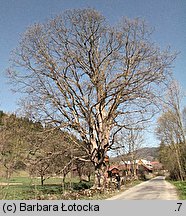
{"x":113,"y":167}
{"x":155,"y":162}
{"x":118,"y":167}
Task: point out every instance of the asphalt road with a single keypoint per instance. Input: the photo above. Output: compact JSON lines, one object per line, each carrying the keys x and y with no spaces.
{"x":154,"y":189}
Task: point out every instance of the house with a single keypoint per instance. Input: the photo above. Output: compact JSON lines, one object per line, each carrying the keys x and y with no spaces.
{"x":113,"y":170}
{"x":156,"y":165}
{"x":144,"y":167}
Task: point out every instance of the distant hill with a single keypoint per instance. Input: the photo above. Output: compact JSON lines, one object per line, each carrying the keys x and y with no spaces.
{"x":147,"y":153}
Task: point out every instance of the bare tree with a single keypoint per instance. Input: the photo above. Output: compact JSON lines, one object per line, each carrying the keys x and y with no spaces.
{"x":174,"y":100}
{"x":50,"y":153}
{"x":81,"y":73}
{"x":184,"y":118}
{"x":171,"y":130}
{"x":127,"y":144}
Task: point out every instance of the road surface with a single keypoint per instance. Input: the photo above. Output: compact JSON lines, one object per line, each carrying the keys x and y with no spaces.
{"x":154,"y":189}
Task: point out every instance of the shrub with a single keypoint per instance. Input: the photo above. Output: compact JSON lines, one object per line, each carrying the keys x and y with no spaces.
{"x":82,"y":185}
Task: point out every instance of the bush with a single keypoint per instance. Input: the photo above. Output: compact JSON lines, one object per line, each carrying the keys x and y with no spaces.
{"x":82,"y":185}
{"x":181,"y":187}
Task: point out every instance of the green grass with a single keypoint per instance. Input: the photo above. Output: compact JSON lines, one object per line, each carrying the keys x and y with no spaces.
{"x":181,"y":188}
{"x":24,"y":192}
{"x":21,"y":180}
{"x":31,"y":181}
{"x":30,"y":188}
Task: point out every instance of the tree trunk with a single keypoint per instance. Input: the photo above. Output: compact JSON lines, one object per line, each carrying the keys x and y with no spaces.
{"x":181,"y":175}
{"x":42,"y":180}
{"x":8,"y":171}
{"x":99,"y":179}
{"x":63,"y":182}
{"x":8,"y":174}
{"x":89,"y":176}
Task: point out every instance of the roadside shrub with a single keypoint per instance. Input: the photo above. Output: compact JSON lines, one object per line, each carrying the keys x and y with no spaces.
{"x":82,"y":185}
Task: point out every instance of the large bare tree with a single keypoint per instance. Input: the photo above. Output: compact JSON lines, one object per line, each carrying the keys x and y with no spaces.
{"x":81,"y":73}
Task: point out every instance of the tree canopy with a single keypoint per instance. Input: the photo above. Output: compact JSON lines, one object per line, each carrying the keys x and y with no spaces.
{"x":81,"y":73}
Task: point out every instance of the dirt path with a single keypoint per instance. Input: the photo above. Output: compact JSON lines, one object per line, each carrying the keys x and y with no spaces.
{"x":154,"y":189}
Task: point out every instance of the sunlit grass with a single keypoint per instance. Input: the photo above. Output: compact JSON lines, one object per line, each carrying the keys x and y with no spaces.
{"x":181,"y":188}
{"x":26,"y":188}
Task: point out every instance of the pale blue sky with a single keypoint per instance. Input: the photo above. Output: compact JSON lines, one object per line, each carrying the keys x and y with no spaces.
{"x":168,"y":17}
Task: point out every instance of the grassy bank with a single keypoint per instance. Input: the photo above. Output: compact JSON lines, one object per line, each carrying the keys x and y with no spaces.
{"x":181,"y":188}
{"x":24,"y":188}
